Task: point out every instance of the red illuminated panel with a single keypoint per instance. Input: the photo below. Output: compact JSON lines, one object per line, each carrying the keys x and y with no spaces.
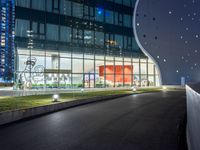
{"x":118,"y":71}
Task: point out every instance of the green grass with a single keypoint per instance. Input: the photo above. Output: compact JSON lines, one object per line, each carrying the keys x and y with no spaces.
{"x":23,"y":102}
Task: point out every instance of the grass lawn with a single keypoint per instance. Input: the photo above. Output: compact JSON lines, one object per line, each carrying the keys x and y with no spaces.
{"x":14,"y":103}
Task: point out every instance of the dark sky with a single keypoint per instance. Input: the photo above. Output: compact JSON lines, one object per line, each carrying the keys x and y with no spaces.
{"x":170,"y":31}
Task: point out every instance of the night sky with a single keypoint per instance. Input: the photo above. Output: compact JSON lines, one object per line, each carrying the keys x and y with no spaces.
{"x":169,"y":30}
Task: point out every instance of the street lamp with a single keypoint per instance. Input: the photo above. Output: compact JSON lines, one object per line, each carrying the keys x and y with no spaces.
{"x":134,"y":89}
{"x":55,"y":97}
{"x":82,"y":90}
{"x":30,"y":47}
{"x":164,"y":87}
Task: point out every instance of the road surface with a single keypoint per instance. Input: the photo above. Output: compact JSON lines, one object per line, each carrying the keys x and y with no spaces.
{"x":148,"y":121}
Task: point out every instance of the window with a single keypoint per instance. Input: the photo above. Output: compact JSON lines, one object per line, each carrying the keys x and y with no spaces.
{"x":65,"y":34}
{"x":21,"y":27}
{"x":99,"y":14}
{"x":109,"y":17}
{"x":77,"y":66}
{"x":49,"y":5}
{"x":53,"y":6}
{"x":65,"y":7}
{"x":127,"y":21}
{"x":77,"y":10}
{"x":127,"y":3}
{"x":40,"y":5}
{"x":134,"y":45}
{"x":41,"y":30}
{"x":118,"y":19}
{"x":118,"y":1}
{"x":99,"y":38}
{"x":143,"y":68}
{"x":109,"y":39}
{"x":23,"y":3}
{"x":65,"y":63}
{"x":38,"y":30}
{"x":89,"y":66}
{"x":88,"y":37}
{"x":136,"y":68}
{"x":77,"y":36}
{"x":56,"y":4}
{"x":119,"y":40}
{"x":150,"y":68}
{"x":52,"y":32}
{"x":35,"y":27}
{"x":88,"y":12}
{"x":127,"y":43}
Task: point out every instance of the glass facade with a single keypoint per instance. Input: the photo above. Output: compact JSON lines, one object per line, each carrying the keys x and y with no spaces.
{"x":7,"y":25}
{"x":68,"y":43}
{"x":67,"y":69}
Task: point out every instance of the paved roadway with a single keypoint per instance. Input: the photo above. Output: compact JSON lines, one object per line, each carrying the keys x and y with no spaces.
{"x":139,"y":122}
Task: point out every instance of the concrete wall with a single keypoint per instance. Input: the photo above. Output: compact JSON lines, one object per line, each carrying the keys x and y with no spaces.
{"x":193,"y":118}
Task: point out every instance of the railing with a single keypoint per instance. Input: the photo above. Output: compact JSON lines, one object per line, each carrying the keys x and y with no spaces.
{"x":193,"y":117}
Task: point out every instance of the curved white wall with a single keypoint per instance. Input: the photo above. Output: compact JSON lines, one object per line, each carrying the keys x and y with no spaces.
{"x":169,"y":38}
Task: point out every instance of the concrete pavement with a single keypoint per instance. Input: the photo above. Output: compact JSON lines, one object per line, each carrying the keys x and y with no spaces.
{"x":148,"y":121}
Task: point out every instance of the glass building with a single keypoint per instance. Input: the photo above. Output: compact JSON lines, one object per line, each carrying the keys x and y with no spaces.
{"x":7,"y":28}
{"x":79,"y":44}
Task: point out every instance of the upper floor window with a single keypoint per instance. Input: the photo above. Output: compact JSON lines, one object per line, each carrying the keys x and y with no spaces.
{"x":127,"y":3}
{"x":21,"y":27}
{"x":118,"y":18}
{"x":65,"y":7}
{"x":23,"y":3}
{"x":77,"y":10}
{"x":109,"y":17}
{"x":127,"y":43}
{"x":38,"y":30}
{"x":88,"y":37}
{"x":52,"y":32}
{"x":127,"y":20}
{"x":56,"y":5}
{"x":53,"y":6}
{"x":134,"y":44}
{"x":119,"y":41}
{"x":119,"y":1}
{"x":99,"y":14}
{"x":99,"y":38}
{"x":77,"y":36}
{"x":88,"y":12}
{"x":65,"y":34}
{"x":40,"y":5}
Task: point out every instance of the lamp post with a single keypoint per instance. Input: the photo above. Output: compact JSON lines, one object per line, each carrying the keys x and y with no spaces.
{"x":30,"y":47}
{"x":55,"y":97}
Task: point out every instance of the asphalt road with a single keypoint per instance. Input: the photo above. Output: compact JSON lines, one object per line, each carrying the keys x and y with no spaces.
{"x":139,"y":122}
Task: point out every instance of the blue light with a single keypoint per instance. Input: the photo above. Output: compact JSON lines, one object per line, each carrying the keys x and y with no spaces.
{"x":99,"y":11}
{"x":107,"y":14}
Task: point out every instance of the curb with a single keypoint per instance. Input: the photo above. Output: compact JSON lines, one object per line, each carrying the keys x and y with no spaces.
{"x":17,"y":115}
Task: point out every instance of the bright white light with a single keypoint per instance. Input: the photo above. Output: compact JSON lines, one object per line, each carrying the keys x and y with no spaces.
{"x":55,"y":97}
{"x":134,"y":89}
{"x":82,"y":90}
{"x":164,"y":87}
